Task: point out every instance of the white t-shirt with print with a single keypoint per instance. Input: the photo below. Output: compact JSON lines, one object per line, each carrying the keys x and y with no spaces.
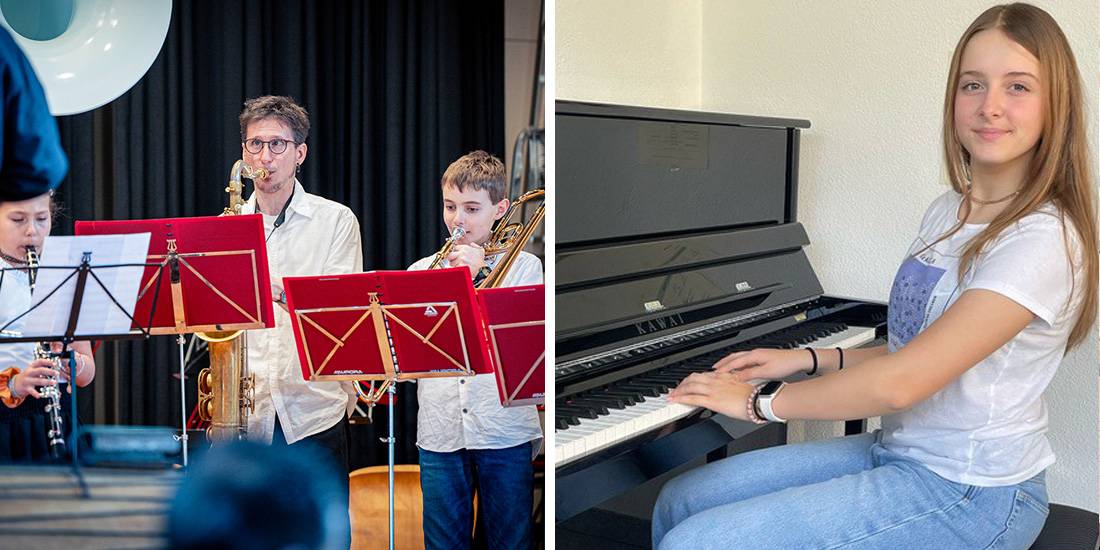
{"x":988,"y":427}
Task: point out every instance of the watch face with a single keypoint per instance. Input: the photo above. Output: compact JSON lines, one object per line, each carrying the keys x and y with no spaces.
{"x":770,"y":387}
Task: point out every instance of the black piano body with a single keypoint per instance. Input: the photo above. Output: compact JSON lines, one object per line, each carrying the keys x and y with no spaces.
{"x":677,"y":243}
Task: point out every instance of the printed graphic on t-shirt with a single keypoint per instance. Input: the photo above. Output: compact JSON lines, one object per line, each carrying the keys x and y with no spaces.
{"x":909,"y":297}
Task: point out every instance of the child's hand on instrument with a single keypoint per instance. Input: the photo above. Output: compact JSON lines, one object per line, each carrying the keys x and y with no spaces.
{"x":37,"y":374}
{"x":720,"y":392}
{"x":469,"y":255}
{"x":766,"y":364}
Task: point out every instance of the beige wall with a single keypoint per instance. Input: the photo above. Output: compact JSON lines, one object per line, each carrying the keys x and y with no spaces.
{"x":870,"y":78}
{"x":643,"y":52}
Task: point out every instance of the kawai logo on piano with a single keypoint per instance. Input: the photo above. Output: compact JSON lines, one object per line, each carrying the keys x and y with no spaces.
{"x":655,"y":325}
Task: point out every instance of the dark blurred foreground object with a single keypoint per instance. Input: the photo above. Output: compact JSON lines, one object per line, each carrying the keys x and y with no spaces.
{"x":245,"y":495}
{"x":31,"y":159}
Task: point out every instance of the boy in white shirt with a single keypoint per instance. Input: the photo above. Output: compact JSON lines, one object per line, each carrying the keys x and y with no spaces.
{"x":466,"y":438}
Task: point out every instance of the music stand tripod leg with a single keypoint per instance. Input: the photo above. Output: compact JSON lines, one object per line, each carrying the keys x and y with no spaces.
{"x":74,"y":434}
{"x":183,"y":400}
{"x":393,"y":400}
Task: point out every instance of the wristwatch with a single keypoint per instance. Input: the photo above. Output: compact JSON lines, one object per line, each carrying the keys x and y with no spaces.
{"x":766,"y":396}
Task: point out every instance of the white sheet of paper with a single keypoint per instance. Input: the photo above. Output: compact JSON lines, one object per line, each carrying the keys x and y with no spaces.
{"x":98,"y":313}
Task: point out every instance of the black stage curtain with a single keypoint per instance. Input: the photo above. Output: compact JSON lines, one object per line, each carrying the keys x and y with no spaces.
{"x":396,"y":90}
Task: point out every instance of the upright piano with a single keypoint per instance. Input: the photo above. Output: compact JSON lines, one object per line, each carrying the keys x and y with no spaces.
{"x":677,"y":243}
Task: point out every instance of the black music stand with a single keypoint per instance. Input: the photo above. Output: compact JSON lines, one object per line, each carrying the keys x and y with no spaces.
{"x":69,"y":335}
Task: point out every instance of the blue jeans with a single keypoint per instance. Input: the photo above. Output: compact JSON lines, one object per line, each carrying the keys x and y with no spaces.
{"x":504,"y":480}
{"x":847,"y":493}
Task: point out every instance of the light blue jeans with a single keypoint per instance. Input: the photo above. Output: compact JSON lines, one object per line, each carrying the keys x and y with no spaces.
{"x":848,"y":492}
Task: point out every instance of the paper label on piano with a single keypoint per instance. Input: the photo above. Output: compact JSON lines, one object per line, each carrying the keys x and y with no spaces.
{"x":674,"y":145}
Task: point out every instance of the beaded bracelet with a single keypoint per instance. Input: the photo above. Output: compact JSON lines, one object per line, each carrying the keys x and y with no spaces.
{"x":750,"y":406}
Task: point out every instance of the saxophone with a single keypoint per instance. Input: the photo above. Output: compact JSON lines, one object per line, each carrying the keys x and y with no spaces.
{"x":226,"y":386}
{"x":55,"y":433}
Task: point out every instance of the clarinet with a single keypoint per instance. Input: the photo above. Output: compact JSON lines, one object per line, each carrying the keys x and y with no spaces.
{"x":52,"y":394}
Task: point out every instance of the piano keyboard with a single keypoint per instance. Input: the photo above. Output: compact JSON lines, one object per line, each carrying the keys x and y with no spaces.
{"x":596,"y":419}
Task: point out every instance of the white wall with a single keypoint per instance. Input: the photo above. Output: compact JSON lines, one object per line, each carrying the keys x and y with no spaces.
{"x":870,"y":78}
{"x":642,"y":52}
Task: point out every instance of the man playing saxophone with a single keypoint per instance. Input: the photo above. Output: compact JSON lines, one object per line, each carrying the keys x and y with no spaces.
{"x":306,"y":235}
{"x":465,"y":436}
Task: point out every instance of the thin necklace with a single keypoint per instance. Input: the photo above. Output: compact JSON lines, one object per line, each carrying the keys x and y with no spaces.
{"x":11,"y":259}
{"x":980,"y":202}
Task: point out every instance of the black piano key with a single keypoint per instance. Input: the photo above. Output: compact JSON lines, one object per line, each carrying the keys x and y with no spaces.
{"x":652,"y":388}
{"x":599,"y":408}
{"x":672,"y":379}
{"x":631,"y":398}
{"x":580,"y":412}
{"x":561,"y":424}
{"x":639,"y":388}
{"x":608,"y":401}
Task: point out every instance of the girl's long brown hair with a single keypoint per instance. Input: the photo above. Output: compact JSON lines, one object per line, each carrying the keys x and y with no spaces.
{"x":1059,"y":171}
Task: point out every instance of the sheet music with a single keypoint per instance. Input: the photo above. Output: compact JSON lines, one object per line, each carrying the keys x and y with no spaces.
{"x":98,"y":314}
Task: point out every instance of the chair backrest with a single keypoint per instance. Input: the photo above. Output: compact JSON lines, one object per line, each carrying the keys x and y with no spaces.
{"x":369,"y":504}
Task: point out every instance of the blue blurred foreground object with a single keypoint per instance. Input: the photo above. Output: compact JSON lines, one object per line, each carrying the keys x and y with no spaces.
{"x":31,"y":159}
{"x":245,"y":495}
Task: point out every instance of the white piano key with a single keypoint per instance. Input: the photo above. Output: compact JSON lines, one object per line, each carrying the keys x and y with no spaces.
{"x":619,"y":425}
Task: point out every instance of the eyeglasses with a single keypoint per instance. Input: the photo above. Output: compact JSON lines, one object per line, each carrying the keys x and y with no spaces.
{"x":277,"y":146}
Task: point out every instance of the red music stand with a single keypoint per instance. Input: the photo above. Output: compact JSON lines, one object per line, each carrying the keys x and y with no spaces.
{"x":515,"y":323}
{"x":217,"y":277}
{"x":387,"y":326}
{"x":431,"y":319}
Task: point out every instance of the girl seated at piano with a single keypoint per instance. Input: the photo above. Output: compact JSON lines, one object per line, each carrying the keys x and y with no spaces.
{"x":24,"y":421}
{"x":1000,"y":281}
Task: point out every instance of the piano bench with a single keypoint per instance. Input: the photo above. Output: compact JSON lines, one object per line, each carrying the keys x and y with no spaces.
{"x":1068,"y":528}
